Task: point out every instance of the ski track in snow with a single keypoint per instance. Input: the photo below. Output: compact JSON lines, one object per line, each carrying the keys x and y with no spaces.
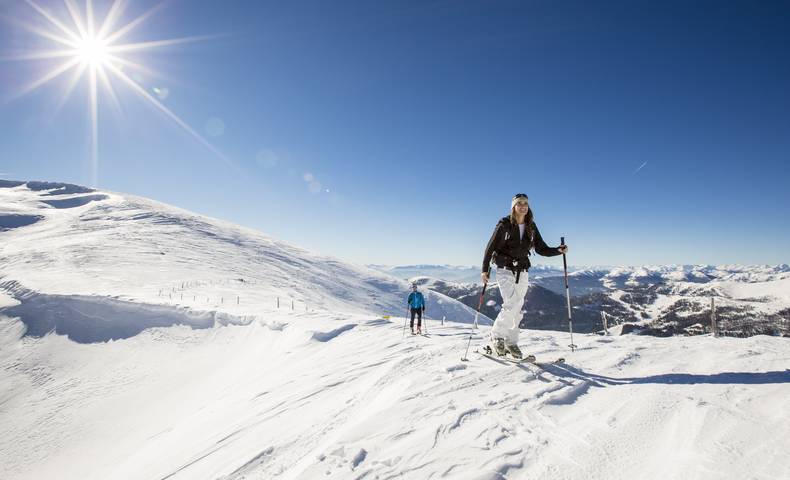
{"x":113,"y":366}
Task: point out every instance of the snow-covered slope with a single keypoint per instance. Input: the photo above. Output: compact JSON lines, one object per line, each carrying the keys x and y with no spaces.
{"x":337,"y":391}
{"x":106,"y":249}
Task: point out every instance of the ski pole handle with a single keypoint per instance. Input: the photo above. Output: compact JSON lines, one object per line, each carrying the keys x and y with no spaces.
{"x":482,"y":294}
{"x":479,"y":305}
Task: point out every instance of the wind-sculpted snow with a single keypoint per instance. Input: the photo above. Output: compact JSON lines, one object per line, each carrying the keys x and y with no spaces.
{"x":327,"y":336}
{"x":88,"y":319}
{"x":10,"y":183}
{"x":75,"y":202}
{"x":55,"y":188}
{"x":7,"y":222}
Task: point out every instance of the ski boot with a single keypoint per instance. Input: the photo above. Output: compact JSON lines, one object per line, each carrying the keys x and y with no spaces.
{"x":499,"y":347}
{"x":419,"y":331}
{"x":514,"y":351}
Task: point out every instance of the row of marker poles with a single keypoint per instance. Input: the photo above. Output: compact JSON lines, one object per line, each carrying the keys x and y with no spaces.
{"x":293,"y":305}
{"x":194,"y":298}
{"x":189,"y":284}
{"x":222,"y":299}
{"x":238,"y":300}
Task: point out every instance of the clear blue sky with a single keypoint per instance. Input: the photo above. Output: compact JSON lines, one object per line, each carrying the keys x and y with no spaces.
{"x":417,"y":122}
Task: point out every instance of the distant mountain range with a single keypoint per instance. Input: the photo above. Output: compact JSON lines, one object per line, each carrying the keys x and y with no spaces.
{"x":657,"y":300}
{"x":456,"y":273}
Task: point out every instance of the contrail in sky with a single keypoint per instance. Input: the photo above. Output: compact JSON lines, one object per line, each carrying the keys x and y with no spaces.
{"x":640,"y":168}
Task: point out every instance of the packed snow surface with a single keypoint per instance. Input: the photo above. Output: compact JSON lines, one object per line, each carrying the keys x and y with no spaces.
{"x":108,"y":372}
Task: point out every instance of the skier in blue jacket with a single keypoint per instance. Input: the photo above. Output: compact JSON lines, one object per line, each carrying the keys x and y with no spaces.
{"x":417,"y":306}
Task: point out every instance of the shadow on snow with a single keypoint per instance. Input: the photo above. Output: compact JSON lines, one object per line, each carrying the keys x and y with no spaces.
{"x":721,"y":378}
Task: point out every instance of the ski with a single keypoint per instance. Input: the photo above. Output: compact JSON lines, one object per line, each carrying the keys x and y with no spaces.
{"x":528,"y":359}
{"x":543,"y":365}
{"x":497,"y":358}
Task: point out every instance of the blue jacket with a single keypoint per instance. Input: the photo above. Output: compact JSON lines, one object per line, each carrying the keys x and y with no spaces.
{"x":416,"y":300}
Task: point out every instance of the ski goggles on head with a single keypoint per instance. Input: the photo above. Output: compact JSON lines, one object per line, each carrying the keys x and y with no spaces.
{"x":519,"y":199}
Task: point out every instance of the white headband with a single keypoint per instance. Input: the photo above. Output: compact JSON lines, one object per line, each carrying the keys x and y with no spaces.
{"x":518,"y":199}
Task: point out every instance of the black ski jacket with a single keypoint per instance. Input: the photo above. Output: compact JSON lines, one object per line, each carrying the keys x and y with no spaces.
{"x":508,"y":250}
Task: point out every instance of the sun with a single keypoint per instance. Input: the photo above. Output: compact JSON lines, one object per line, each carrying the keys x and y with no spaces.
{"x":95,"y":52}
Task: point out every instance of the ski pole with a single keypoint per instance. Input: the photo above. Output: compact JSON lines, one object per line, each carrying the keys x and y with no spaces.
{"x":405,"y":319}
{"x":567,"y":294}
{"x":479,"y":306}
{"x":480,"y":303}
{"x":464,"y":359}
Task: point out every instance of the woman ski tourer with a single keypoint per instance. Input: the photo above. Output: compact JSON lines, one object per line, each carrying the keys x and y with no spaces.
{"x":509,"y":248}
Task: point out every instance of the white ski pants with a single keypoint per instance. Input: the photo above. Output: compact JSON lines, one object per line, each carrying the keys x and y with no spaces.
{"x":513,"y":295}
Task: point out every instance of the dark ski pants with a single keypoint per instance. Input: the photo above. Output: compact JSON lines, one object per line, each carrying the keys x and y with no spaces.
{"x":418,"y":312}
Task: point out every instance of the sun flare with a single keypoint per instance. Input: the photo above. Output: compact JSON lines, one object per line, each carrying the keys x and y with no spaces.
{"x":95,"y":52}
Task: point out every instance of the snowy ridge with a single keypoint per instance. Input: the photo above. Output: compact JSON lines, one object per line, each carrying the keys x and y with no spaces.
{"x":129,"y":248}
